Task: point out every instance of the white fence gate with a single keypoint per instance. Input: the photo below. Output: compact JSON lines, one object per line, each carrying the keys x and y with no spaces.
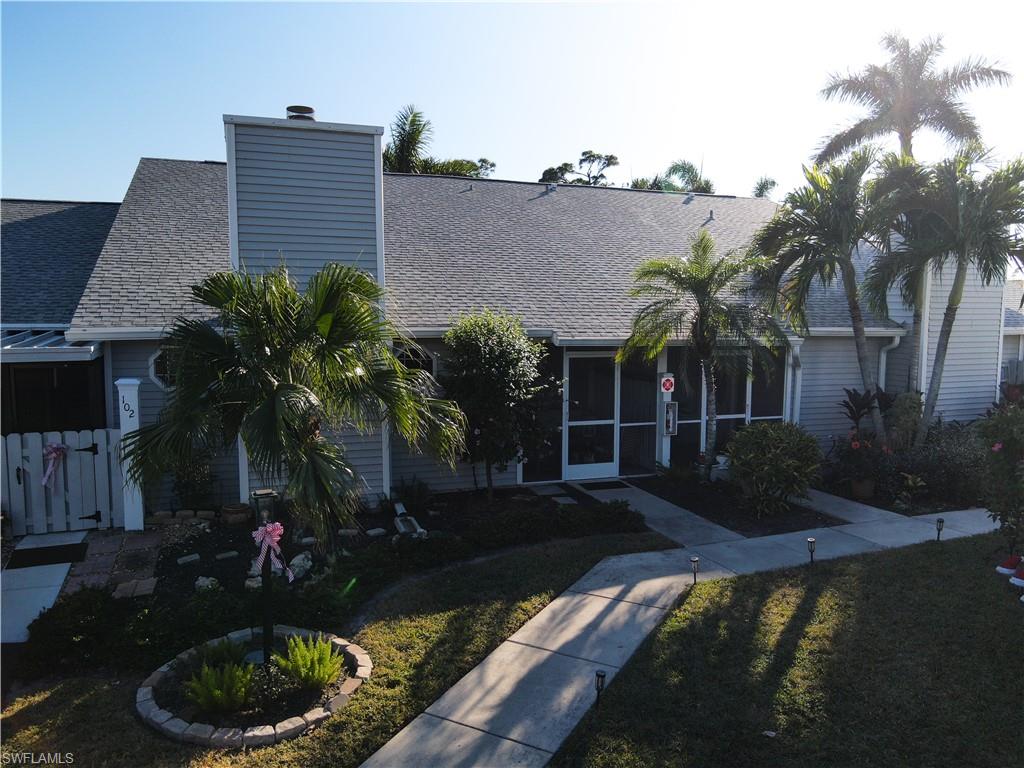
{"x":84,"y":492}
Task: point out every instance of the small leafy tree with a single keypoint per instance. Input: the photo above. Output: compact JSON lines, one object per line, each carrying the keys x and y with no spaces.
{"x":591,"y":172}
{"x":492,"y":374}
{"x":773,"y":462}
{"x":1003,"y":433}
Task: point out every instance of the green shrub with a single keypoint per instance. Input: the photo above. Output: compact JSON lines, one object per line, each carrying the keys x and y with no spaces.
{"x":222,"y":652}
{"x":220,"y":690}
{"x":951,"y":463}
{"x":772,"y":461}
{"x":312,"y":663}
{"x":1002,"y":434}
{"x":902,"y":418}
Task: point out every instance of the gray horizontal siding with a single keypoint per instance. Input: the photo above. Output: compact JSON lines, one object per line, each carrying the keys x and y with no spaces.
{"x":130,"y":359}
{"x":972,"y":360}
{"x":829,"y":365}
{"x":306,"y":198}
{"x":1011,"y":347}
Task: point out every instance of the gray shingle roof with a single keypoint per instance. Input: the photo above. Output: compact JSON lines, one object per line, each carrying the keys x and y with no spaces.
{"x":49,"y":249}
{"x":171,"y":231}
{"x":1013,"y":318}
{"x":562,"y":260}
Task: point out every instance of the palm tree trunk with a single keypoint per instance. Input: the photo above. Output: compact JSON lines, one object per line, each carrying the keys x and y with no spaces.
{"x":914,"y":370}
{"x":907,"y":144}
{"x":956,"y":294}
{"x":712,"y":413}
{"x":860,"y":341}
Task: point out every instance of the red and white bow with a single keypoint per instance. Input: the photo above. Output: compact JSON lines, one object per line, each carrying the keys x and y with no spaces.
{"x":267,"y":538}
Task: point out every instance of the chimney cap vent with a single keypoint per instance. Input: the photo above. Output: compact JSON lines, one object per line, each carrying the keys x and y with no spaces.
{"x":300,"y":112}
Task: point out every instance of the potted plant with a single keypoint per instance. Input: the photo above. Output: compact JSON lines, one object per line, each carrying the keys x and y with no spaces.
{"x":860,"y":462}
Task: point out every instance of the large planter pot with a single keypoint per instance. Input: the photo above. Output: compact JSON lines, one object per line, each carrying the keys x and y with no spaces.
{"x":863,"y":488}
{"x":236,"y":514}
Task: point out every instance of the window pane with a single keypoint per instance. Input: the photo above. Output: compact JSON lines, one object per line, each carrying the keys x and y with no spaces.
{"x":766,"y":393}
{"x":688,"y":382}
{"x":593,"y":444}
{"x":637,"y":450}
{"x":638,"y":391}
{"x":732,"y":391}
{"x":686,"y":444}
{"x":726,"y":429}
{"x":544,"y":459}
{"x":591,"y":388}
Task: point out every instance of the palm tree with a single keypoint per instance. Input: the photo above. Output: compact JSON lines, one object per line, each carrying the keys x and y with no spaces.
{"x":970,"y":221}
{"x":701,"y":300}
{"x":411,"y":134}
{"x":813,"y":238}
{"x":690,"y":177}
{"x":277,"y":367}
{"x":656,"y":182}
{"x":903,"y":95}
{"x":907,"y":93}
{"x":764,"y":186}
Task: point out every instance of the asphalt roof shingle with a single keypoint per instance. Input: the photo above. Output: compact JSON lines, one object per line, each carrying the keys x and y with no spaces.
{"x":171,"y":231}
{"x":562,"y":260}
{"x":49,"y":249}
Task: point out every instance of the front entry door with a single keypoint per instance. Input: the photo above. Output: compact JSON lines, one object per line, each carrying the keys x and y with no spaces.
{"x":591,"y":435}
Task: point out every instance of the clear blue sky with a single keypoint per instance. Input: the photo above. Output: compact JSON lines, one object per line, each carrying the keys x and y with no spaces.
{"x":89,"y":88}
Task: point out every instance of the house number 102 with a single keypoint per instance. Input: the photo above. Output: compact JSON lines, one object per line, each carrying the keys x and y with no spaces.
{"x":127,"y":407}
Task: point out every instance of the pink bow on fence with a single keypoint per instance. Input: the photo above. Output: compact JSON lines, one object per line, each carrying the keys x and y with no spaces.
{"x":267,"y":538}
{"x":53,"y":454}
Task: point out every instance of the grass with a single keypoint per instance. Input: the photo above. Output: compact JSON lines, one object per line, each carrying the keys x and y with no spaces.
{"x":908,"y":657}
{"x":422,"y":639}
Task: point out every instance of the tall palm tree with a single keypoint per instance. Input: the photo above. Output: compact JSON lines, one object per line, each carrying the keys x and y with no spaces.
{"x":411,"y":134}
{"x":764,"y":186}
{"x":906,"y":93}
{"x":813,"y":238}
{"x":903,"y":95}
{"x":689,"y":177}
{"x":969,"y":221}
{"x":276,"y":368}
{"x":701,"y":300}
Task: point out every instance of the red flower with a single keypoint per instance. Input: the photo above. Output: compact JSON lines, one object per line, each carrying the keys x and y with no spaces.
{"x":997,"y":448}
{"x":855,"y":445}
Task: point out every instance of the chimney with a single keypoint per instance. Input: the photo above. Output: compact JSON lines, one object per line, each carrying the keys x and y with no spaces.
{"x":304,"y":192}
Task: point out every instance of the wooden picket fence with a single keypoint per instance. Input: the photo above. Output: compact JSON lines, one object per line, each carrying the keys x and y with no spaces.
{"x":86,"y":489}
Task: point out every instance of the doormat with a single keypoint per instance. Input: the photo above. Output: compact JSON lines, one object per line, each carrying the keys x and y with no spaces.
{"x":65,"y":553}
{"x":604,"y":485}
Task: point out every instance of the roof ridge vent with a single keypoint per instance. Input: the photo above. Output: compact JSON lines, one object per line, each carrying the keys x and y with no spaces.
{"x":300,"y":112}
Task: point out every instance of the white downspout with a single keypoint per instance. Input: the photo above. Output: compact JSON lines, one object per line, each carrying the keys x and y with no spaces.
{"x":883,"y":355}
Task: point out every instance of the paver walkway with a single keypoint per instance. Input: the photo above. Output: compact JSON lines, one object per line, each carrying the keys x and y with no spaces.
{"x":521,"y":702}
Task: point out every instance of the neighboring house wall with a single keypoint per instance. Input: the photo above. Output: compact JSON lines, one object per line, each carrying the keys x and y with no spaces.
{"x":1012,"y":347}
{"x":130,"y":359}
{"x":306,"y":195}
{"x":408,"y":464}
{"x":972,"y":359}
{"x":829,"y":365}
{"x":897,"y":365}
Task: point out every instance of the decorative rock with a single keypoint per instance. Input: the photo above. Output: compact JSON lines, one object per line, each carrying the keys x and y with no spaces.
{"x":350,"y":685}
{"x":163,"y":514}
{"x":338,"y":644}
{"x":226,"y":738}
{"x":159,"y":716}
{"x":289,"y":728}
{"x":206,"y":514}
{"x":337,"y":703}
{"x":308,"y":541}
{"x":363,"y":673}
{"x":186,"y":559}
{"x":125,"y":589}
{"x":154,"y":679}
{"x":145,"y":693}
{"x":258,"y":736}
{"x":434,"y":512}
{"x":356,"y":650}
{"x":144,"y":587}
{"x":240,"y":635}
{"x":301,"y":564}
{"x":186,"y":513}
{"x":349,"y":532}
{"x":147,"y":708}
{"x":225,"y":556}
{"x":198,"y":733}
{"x":376,"y":532}
{"x":317,"y":715}
{"x":254,"y":582}
{"x":206,"y":582}
{"x":175,"y":728}
{"x":257,"y":570}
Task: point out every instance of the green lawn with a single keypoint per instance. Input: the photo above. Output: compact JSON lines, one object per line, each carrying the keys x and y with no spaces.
{"x":422,"y":640}
{"x":912,"y":657}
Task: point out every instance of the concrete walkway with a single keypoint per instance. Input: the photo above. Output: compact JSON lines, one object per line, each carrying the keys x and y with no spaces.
{"x":521,"y":702}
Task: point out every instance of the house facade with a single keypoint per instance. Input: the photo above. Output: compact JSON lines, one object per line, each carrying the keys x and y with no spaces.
{"x":97,"y":285}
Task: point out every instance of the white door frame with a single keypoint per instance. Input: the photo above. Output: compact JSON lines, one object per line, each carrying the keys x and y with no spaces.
{"x":588,"y":471}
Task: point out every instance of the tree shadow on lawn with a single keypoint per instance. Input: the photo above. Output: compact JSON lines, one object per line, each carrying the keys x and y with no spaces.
{"x":885,"y":659}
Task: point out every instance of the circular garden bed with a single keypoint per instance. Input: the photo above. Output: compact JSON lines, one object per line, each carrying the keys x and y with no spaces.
{"x":283,"y":709}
